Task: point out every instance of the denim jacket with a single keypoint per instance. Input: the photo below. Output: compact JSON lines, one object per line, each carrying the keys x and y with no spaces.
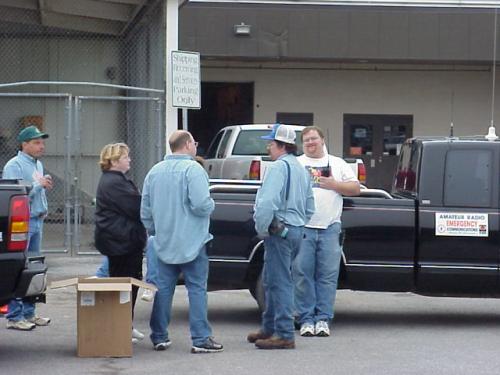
{"x":176,"y":207}
{"x":29,"y":169}
{"x":270,"y":200}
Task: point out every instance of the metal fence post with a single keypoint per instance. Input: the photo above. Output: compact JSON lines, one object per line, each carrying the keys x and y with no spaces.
{"x":67,"y":176}
{"x":159,"y":141}
{"x":76,"y":177}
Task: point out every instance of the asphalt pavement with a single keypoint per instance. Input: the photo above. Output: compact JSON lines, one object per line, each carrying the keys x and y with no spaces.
{"x":374,"y":333}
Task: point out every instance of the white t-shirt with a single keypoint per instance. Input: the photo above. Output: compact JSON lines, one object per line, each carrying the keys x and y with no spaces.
{"x":328,"y":202}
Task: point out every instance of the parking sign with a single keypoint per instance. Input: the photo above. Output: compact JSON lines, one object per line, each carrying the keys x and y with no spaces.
{"x":186,"y":87}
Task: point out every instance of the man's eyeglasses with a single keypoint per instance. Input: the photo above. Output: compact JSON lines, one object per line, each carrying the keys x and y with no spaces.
{"x":195,"y":143}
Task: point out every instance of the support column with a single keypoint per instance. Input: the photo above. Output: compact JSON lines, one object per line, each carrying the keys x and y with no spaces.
{"x":172,"y":44}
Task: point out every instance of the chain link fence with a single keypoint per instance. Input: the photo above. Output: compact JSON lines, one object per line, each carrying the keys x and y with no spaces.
{"x":84,"y":97}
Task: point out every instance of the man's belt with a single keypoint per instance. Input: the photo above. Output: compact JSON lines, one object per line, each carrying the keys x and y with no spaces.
{"x":39,"y":216}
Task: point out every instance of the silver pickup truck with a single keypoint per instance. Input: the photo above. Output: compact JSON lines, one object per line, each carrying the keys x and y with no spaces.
{"x":238,"y":153}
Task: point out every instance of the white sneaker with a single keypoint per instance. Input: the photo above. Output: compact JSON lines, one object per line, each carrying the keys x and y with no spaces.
{"x":21,"y":325}
{"x":148,"y":295}
{"x":307,"y":330}
{"x":137,"y":334}
{"x":321,"y":328}
{"x":39,"y":321}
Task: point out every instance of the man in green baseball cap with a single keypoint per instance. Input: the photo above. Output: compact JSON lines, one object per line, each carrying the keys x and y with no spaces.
{"x":27,"y":166}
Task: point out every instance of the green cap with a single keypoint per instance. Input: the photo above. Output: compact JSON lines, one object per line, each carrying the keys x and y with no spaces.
{"x":29,"y":133}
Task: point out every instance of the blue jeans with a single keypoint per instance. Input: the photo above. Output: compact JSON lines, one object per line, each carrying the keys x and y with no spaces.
{"x":279,"y":256}
{"x":103,"y":270}
{"x":316,"y":272}
{"x":151,"y":262}
{"x":195,"y":276}
{"x":19,"y":309}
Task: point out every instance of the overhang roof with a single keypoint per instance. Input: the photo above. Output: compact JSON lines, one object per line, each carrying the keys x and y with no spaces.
{"x":114,"y":17}
{"x":110,"y":17}
{"x":371,"y":3}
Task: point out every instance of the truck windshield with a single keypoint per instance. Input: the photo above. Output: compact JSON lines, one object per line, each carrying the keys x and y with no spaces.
{"x":250,"y":143}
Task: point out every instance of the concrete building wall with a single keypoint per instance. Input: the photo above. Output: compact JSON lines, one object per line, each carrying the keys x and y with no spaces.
{"x":336,"y":33}
{"x":331,"y":93}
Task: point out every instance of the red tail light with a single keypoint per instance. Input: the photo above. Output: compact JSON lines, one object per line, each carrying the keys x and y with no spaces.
{"x":254,"y":173}
{"x":362,"y":173}
{"x":4,"y":309}
{"x":19,"y":220}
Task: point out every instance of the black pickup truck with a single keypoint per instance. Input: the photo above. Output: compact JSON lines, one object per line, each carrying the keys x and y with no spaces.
{"x":20,"y":276}
{"x":436,"y":233}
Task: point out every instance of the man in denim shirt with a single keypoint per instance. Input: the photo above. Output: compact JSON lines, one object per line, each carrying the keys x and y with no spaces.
{"x":286,"y":195}
{"x":27,"y":166}
{"x":176,"y":207}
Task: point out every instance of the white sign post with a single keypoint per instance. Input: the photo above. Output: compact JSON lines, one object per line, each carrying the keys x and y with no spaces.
{"x":186,"y":82}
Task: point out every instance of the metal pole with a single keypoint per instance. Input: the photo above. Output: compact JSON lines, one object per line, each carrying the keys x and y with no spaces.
{"x":34,"y":95}
{"x":494,"y":68}
{"x":184,"y":119}
{"x":76,"y":187}
{"x":172,"y":43}
{"x":67,"y":175}
{"x":67,"y":83}
{"x":126,"y":98}
{"x":159,"y":152}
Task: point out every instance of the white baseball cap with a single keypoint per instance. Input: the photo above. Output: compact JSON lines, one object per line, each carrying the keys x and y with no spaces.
{"x":282,"y":133}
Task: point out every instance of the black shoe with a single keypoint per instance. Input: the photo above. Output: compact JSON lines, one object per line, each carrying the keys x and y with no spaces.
{"x":209,"y":346}
{"x":163,"y":345}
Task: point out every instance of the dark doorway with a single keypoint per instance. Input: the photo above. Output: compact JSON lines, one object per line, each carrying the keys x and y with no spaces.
{"x":222,"y":104}
{"x":377,"y":140}
{"x":295,"y":118}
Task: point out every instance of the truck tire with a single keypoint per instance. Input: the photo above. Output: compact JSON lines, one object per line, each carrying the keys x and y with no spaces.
{"x":259,"y":293}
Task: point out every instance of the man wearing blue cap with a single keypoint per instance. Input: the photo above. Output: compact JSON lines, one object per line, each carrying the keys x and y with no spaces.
{"x":284,"y":204}
{"x":27,"y":166}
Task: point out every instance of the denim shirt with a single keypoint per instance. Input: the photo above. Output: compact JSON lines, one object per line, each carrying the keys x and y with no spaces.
{"x":271,"y":200}
{"x":176,"y":208}
{"x":29,"y":169}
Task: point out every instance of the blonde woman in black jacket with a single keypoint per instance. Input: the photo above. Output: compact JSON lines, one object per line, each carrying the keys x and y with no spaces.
{"x":119,"y":232}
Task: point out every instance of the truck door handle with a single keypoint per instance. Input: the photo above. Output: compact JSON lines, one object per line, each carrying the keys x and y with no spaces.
{"x":210,"y":168}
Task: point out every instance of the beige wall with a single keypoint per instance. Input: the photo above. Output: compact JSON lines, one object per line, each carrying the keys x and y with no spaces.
{"x":330,"y":93}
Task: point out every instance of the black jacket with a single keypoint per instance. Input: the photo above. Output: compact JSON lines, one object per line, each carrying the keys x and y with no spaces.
{"x":118,"y":226}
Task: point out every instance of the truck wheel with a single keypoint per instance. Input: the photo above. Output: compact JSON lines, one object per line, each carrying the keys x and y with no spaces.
{"x":259,"y":293}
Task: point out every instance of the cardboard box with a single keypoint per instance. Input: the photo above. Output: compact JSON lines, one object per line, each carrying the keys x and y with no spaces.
{"x":104,"y":314}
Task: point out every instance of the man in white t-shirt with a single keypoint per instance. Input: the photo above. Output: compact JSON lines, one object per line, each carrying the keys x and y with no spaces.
{"x":316,"y":267}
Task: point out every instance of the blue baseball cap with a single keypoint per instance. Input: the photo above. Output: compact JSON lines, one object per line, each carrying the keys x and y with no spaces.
{"x":282,"y":133}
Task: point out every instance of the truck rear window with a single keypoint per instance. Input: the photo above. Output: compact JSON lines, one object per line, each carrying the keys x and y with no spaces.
{"x":407,"y":172}
{"x":468,"y":177}
{"x":250,"y":143}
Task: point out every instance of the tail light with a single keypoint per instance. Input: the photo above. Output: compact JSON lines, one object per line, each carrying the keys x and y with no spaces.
{"x":4,"y":309}
{"x":254,"y":173}
{"x":19,"y":219}
{"x":362,"y":173}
